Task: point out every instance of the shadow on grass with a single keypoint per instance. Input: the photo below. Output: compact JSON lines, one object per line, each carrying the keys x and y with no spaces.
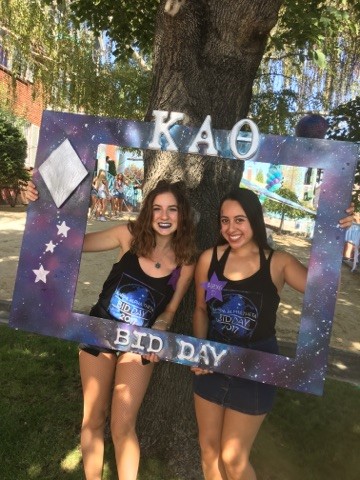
{"x":40,"y":407}
{"x":312,"y":438}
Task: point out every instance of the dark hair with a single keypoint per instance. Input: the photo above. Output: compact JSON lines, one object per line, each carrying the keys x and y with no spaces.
{"x":183,"y":241}
{"x":253,"y":210}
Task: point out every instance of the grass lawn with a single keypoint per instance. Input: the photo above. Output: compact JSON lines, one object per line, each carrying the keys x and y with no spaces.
{"x":305,"y":437}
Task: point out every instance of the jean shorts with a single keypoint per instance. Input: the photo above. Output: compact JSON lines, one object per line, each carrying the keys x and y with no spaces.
{"x":94,"y":350}
{"x":118,"y":195}
{"x":240,"y":394}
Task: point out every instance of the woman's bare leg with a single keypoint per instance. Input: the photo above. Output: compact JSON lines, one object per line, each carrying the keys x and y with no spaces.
{"x":97,"y":376}
{"x":238,"y":435}
{"x":131,"y":382}
{"x":104,"y":204}
{"x":210,"y":418}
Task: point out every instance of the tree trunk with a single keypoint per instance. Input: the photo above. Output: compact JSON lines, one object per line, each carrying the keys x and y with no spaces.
{"x":206,"y":56}
{"x":282,"y":221}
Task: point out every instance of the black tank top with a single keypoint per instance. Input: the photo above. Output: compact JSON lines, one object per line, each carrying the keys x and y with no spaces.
{"x":130,"y":295}
{"x":242,"y":311}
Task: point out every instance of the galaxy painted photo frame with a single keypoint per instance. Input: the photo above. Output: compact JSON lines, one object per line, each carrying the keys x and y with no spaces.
{"x":55,"y":227}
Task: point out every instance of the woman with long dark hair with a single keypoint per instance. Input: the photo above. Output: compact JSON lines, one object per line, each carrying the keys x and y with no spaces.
{"x":250,"y":276}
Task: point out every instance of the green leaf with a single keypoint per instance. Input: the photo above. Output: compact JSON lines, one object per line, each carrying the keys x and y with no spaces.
{"x":320,"y":58}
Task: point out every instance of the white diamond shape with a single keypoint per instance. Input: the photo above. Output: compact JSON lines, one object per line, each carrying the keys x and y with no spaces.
{"x":62,"y":172}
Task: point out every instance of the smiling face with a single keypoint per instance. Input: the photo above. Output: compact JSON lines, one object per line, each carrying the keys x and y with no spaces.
{"x":235,"y":226}
{"x":165,"y":214}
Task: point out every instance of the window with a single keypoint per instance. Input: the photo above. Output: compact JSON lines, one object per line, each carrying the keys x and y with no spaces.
{"x":4,"y":57}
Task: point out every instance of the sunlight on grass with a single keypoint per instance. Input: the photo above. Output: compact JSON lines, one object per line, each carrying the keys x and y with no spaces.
{"x":30,"y":353}
{"x":34,"y":471}
{"x":4,"y":259}
{"x":72,"y":460}
{"x":106,"y":471}
{"x":340,"y":366}
{"x":356,"y":345}
{"x":343,"y":301}
{"x":290,"y":310}
{"x":356,"y":428}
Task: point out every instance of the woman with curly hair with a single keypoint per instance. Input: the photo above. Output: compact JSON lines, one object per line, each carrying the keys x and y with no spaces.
{"x":145,"y":287}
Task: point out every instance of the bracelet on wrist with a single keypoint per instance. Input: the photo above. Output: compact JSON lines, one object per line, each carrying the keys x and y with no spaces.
{"x":164,"y":322}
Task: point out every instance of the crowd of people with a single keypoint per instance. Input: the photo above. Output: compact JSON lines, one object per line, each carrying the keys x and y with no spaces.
{"x":156,"y":263}
{"x":108,"y":195}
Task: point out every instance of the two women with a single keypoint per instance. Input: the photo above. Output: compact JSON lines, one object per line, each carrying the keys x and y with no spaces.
{"x":155,"y":251}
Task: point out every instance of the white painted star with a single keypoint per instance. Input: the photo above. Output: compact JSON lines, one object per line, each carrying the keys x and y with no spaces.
{"x":63,"y":229}
{"x":50,"y":247}
{"x":41,"y":274}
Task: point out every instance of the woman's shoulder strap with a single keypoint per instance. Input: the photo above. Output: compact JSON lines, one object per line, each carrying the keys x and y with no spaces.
{"x":215,"y":262}
{"x":214,"y":259}
{"x":264,"y":258}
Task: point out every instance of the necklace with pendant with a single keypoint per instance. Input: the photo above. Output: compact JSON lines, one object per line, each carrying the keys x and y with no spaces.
{"x":156,"y":263}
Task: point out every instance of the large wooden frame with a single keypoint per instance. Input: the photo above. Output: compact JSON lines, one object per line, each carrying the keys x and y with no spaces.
{"x":55,"y":226}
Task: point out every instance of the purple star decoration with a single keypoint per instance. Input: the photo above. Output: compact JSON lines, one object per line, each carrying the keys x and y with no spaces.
{"x":213,"y":288}
{"x":55,"y":226}
{"x":175,"y":274}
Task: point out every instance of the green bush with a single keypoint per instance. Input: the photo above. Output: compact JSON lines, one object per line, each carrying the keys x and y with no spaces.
{"x":12,"y":153}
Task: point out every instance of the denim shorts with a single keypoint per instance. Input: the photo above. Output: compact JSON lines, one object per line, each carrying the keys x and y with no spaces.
{"x":240,"y":394}
{"x":93,"y":350}
{"x":118,"y":195}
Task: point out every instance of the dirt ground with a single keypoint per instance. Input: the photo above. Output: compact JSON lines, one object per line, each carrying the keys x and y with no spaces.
{"x":95,"y":266}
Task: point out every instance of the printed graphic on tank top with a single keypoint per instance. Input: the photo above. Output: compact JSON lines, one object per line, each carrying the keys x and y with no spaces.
{"x":243,"y":310}
{"x":236,"y":316}
{"x":134,"y":302}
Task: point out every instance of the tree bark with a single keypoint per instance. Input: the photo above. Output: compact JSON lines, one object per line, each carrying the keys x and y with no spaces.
{"x":205,"y":60}
{"x":206,"y":56}
{"x":282,"y":221}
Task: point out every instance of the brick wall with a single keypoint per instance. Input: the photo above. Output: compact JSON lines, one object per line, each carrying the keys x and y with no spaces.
{"x":22,"y":102}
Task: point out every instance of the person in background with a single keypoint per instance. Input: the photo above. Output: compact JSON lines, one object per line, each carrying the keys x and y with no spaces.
{"x":155,"y":266}
{"x":110,"y":176}
{"x":95,"y":167}
{"x":100,"y":185}
{"x":119,"y":195}
{"x":352,"y":243}
{"x":248,"y":276}
{"x":138,"y":185}
{"x":111,"y":167}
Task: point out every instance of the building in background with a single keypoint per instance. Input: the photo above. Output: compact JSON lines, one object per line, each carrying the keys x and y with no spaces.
{"x":17,"y":93}
{"x":303,"y":181}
